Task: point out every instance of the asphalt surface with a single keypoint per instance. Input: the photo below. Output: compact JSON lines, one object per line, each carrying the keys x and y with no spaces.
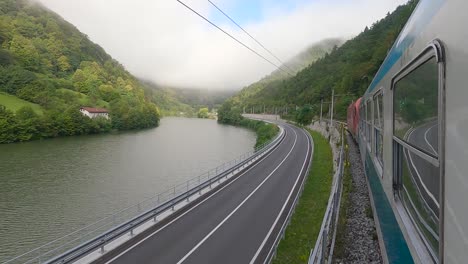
{"x":237,"y":222}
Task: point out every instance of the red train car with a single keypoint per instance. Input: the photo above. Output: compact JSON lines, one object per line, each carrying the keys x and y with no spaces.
{"x":353,"y":117}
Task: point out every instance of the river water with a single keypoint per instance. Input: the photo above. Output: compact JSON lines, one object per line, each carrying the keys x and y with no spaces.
{"x":51,"y":187}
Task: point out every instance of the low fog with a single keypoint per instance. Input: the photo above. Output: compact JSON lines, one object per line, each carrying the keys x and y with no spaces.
{"x":162,"y":41}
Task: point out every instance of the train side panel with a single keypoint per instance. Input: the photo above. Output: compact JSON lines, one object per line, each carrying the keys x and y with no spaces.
{"x":420,"y":172}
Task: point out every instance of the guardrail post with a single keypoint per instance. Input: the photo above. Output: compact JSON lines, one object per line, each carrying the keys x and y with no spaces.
{"x":102,"y":249}
{"x":199,"y":188}
{"x":173,"y":203}
{"x":187,"y":191}
{"x":324,"y":245}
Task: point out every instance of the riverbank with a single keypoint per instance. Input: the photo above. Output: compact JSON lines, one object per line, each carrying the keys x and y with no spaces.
{"x":232,"y":116}
{"x":27,"y":124}
{"x":306,"y":221}
{"x":265,"y":131}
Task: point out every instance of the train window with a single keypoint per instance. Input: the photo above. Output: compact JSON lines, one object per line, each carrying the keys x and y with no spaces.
{"x":368,"y":122}
{"x":417,"y":167}
{"x":416,"y":108}
{"x":362,"y":119}
{"x":378,"y":126}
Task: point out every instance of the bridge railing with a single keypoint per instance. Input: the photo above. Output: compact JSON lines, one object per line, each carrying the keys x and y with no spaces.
{"x":97,"y":235}
{"x":324,"y":245}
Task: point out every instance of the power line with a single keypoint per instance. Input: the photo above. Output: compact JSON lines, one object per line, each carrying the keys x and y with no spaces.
{"x":238,"y":41}
{"x":245,"y":31}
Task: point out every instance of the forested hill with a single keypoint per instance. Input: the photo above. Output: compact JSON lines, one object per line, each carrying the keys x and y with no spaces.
{"x":297,"y":63}
{"x":48,"y":70}
{"x":348,"y":69}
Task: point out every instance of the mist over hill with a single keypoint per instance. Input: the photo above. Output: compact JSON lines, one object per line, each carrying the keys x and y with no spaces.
{"x":347,"y":69}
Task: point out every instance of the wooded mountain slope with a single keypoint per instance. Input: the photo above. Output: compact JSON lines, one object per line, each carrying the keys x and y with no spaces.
{"x":47,"y":61}
{"x":348,"y":70}
{"x":277,"y":77}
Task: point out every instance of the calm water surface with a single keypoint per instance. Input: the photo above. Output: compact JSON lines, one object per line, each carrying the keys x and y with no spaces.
{"x":49,"y":188}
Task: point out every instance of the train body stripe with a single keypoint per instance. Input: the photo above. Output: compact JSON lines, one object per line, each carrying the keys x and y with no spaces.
{"x":418,"y":21}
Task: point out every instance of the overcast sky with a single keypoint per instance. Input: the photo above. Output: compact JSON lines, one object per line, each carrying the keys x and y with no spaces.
{"x":163,"y":41}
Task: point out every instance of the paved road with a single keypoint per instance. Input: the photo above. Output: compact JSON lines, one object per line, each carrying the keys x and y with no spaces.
{"x":235,"y":224}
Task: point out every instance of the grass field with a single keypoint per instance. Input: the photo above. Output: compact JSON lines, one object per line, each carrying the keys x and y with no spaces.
{"x":307,"y":219}
{"x":14,"y":103}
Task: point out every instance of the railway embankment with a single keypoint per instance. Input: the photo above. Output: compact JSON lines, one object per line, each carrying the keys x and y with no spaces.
{"x":357,"y":240}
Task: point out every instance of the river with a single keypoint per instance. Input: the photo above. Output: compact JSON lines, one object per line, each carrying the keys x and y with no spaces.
{"x":51,"y":187}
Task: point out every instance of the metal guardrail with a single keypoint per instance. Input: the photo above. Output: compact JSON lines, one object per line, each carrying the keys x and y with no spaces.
{"x":98,"y":234}
{"x":323,"y":250}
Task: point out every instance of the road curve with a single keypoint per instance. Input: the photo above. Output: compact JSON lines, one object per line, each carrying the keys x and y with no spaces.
{"x":236,"y":223}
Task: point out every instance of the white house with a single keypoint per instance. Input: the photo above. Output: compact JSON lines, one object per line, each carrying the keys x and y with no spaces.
{"x":94,"y":112}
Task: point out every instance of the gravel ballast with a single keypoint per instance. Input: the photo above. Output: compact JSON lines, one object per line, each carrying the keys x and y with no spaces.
{"x":361,"y":242}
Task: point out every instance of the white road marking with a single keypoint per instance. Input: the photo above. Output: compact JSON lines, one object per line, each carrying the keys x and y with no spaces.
{"x":195,"y":206}
{"x":242,"y":203}
{"x":420,"y":178}
{"x":284,"y":205}
{"x":427,"y":141}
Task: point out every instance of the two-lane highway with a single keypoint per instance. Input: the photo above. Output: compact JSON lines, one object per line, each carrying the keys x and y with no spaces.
{"x":238,"y":222}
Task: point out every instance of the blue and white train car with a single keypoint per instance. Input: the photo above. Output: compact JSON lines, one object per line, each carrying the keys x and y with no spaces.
{"x":413,"y":137}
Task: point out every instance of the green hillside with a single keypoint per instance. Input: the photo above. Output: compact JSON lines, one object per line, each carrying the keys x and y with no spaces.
{"x":13,"y":103}
{"x":46,"y":61}
{"x":297,"y":63}
{"x":348,"y":70}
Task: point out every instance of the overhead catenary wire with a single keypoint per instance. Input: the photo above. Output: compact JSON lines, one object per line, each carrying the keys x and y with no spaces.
{"x":232,"y":37}
{"x":252,"y":37}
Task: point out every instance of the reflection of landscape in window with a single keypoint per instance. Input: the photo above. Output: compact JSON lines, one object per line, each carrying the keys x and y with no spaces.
{"x":409,"y":181}
{"x":369,"y":120}
{"x":416,"y":100}
{"x":378,"y":123}
{"x":379,"y":145}
{"x":415,"y":104}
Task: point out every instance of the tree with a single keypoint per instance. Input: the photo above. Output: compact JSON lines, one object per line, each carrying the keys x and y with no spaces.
{"x":25,"y":52}
{"x":305,"y":115}
{"x":63,"y":63}
{"x":203,"y":113}
{"x":8,"y":125}
{"x":229,"y":114}
{"x":27,"y":121}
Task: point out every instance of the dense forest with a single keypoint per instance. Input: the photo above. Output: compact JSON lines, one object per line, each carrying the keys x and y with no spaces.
{"x":48,"y":70}
{"x":347,"y":69}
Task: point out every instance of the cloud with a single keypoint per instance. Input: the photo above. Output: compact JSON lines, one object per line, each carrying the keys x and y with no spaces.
{"x":163,"y":41}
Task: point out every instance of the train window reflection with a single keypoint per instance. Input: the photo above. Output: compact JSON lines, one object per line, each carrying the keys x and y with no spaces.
{"x":416,"y":121}
{"x":416,"y":108}
{"x":420,"y":196}
{"x":378,"y":126}
{"x":378,"y":111}
{"x":368,"y":121}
